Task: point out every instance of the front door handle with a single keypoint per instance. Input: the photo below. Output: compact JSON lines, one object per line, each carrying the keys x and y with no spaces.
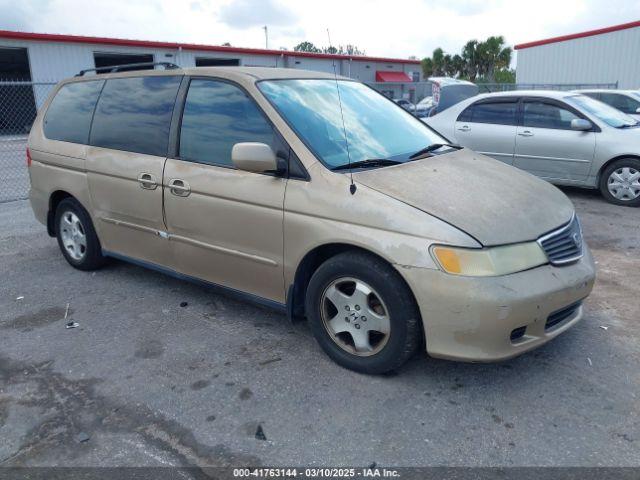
{"x":526,"y":133}
{"x":179,"y":187}
{"x":147,"y":181}
{"x":464,"y":128}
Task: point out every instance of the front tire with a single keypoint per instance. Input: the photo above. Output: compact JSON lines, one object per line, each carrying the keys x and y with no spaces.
{"x":76,"y":236}
{"x":362,"y":313}
{"x":620,"y":182}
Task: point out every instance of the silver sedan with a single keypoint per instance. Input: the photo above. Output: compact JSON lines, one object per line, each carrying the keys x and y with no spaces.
{"x":564,"y":137}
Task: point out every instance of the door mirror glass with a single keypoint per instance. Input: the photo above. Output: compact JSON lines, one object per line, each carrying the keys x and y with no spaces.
{"x":254,"y":157}
{"x":581,"y":124}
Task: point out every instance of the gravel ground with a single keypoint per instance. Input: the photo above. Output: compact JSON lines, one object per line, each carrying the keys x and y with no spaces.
{"x":144,"y":381}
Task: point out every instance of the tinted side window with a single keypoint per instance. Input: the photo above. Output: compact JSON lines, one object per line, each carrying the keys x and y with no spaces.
{"x":134,"y":114}
{"x":499,"y":113}
{"x":621,"y":102}
{"x":217,"y":115}
{"x":69,"y":115}
{"x":546,"y":115}
{"x":466,"y":114}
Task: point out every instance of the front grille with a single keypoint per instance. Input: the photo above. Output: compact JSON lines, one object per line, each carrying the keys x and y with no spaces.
{"x":560,"y":316}
{"x":563,"y":245}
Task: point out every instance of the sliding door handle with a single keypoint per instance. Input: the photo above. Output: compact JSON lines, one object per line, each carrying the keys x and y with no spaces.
{"x":147,"y":181}
{"x":179,"y":187}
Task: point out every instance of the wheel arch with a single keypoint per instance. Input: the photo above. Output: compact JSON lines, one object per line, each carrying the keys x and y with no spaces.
{"x":610,"y":161}
{"x":54,"y":200}
{"x":309,"y":264}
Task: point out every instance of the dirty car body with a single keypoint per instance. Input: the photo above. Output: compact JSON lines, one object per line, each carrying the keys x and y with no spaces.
{"x":377,"y":240}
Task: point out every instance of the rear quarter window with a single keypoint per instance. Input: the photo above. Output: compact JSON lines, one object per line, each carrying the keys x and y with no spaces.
{"x":134,"y":114}
{"x":68,"y":117}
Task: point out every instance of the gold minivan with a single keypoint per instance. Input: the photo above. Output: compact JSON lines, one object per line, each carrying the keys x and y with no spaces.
{"x":315,"y":195}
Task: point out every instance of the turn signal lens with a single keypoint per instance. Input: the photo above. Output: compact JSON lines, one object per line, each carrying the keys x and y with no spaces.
{"x":487,"y":262}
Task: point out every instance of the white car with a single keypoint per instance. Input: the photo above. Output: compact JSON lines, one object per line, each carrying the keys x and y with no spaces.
{"x":564,"y":137}
{"x":627,"y":101}
{"x":424,"y":107}
{"x":406,"y":104}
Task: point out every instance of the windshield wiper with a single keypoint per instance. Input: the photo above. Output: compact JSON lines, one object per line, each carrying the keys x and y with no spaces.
{"x":629,"y":125}
{"x":370,"y":162}
{"x":433,"y":147}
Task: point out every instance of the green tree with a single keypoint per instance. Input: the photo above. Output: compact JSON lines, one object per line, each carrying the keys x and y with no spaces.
{"x":306,"y":47}
{"x":494,"y":56}
{"x":478,"y":61}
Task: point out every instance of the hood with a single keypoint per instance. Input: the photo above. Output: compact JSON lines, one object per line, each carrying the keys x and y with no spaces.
{"x":493,"y":202}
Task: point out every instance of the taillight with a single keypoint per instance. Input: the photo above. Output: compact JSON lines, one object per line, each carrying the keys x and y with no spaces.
{"x":28,"y":158}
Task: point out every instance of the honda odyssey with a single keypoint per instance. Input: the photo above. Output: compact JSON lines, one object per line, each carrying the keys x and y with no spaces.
{"x":315,"y":195}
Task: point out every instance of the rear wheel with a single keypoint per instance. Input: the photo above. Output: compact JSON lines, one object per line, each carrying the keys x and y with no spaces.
{"x":76,"y":236}
{"x":620,"y":182}
{"x":362,"y":313}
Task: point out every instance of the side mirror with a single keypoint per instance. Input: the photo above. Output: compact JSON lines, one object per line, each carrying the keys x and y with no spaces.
{"x":581,"y":124}
{"x":638,"y":110}
{"x":254,"y":157}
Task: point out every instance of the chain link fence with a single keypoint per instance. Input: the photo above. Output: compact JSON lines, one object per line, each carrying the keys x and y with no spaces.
{"x":19,"y":103}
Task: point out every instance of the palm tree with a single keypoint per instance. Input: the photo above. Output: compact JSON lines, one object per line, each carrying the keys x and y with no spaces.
{"x":493,"y":55}
{"x":471,"y":57}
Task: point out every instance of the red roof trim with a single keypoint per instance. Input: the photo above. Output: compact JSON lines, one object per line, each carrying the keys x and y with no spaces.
{"x":53,"y":37}
{"x":573,"y":36}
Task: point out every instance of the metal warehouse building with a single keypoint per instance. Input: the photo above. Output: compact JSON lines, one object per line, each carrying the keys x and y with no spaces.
{"x":39,"y":57}
{"x":607,"y":55}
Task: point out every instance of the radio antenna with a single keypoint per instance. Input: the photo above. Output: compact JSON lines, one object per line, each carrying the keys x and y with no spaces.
{"x":352,"y":186}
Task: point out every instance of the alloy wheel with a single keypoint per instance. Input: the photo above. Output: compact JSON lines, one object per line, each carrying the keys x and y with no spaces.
{"x":355,"y":316}
{"x":73,"y":235}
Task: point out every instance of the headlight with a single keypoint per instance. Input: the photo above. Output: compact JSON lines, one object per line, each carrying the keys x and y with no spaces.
{"x":488,"y":262}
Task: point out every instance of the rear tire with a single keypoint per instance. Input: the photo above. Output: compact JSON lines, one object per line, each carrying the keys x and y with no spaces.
{"x":76,"y":236}
{"x":362,"y":313}
{"x":620,"y":182}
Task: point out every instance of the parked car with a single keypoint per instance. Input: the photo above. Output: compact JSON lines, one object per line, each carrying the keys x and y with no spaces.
{"x":447,"y":91}
{"x":563,"y":137}
{"x":627,"y":101}
{"x":406,"y":104}
{"x":387,"y":241}
{"x":424,"y":107}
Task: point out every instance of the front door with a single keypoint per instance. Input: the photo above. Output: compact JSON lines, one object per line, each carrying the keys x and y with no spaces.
{"x":129,"y":140}
{"x":225,"y":225}
{"x":489,"y":127}
{"x":547,"y":146}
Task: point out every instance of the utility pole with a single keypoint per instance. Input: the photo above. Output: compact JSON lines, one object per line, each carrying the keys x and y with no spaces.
{"x":266,"y":37}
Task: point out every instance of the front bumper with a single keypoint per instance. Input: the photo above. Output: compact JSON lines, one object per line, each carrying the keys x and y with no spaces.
{"x":472,"y":318}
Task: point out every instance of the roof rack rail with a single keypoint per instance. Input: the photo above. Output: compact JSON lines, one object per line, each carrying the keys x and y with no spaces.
{"x":118,"y":68}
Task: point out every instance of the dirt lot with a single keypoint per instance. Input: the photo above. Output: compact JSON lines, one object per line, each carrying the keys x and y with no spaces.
{"x":144,"y":381}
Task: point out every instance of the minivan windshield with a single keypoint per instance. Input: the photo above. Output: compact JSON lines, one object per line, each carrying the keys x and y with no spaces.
{"x":376,"y":128}
{"x":611,"y":116}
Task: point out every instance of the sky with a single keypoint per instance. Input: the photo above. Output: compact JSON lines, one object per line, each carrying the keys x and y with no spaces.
{"x":400,"y":28}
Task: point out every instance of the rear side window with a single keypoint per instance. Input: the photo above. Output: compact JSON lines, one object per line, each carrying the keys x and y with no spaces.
{"x":546,"y":115}
{"x":216,"y":116}
{"x":497,"y":113}
{"x":68,"y":117}
{"x":134,"y":114}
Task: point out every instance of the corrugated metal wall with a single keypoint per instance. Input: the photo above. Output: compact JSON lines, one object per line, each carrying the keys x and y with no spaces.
{"x":52,"y":62}
{"x":605,"y":58}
